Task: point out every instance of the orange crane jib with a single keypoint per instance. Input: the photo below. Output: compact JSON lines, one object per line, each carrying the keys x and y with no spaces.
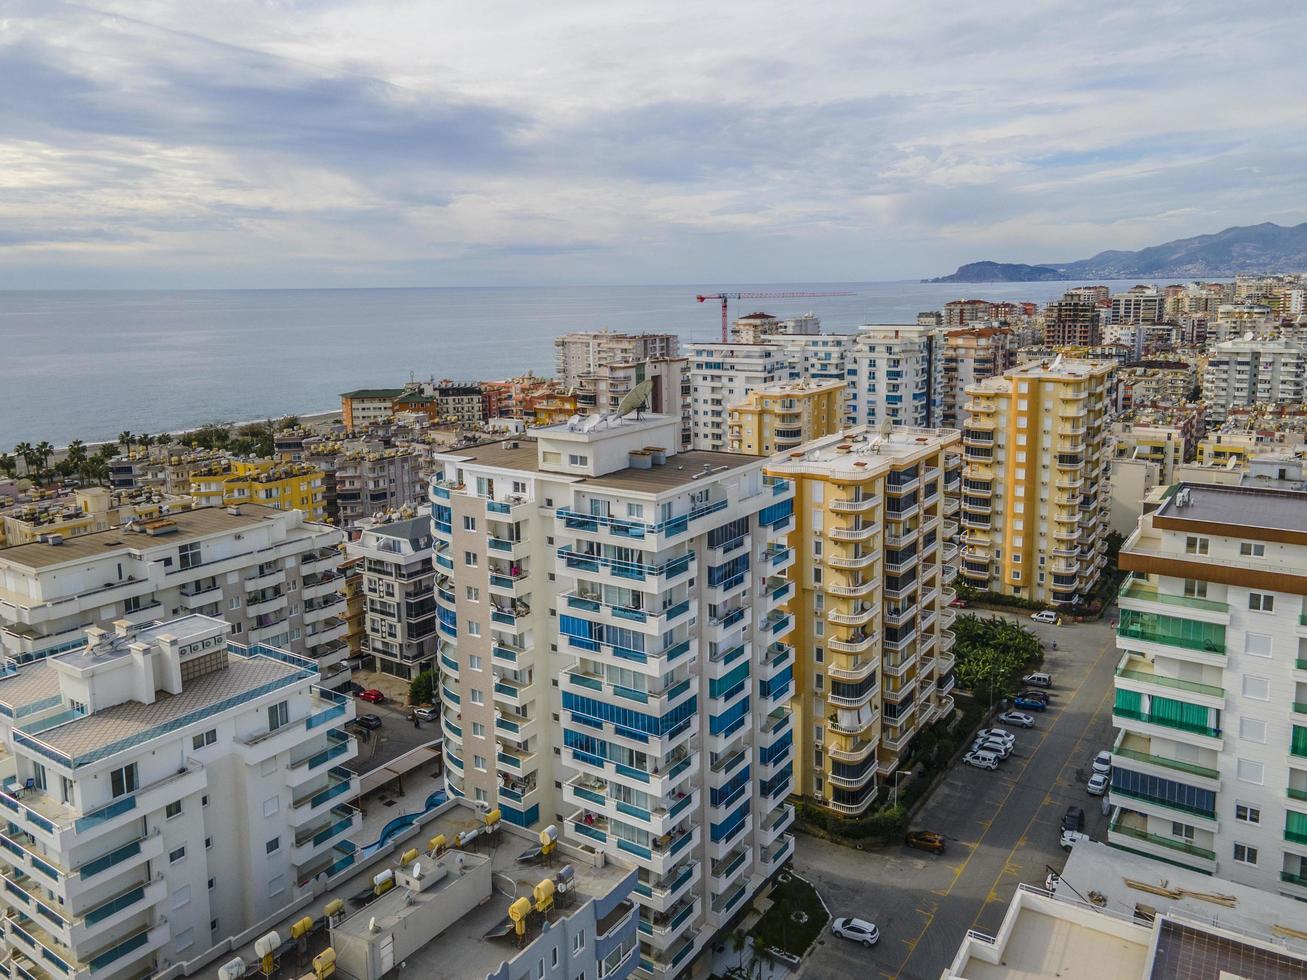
{"x":726,"y":297}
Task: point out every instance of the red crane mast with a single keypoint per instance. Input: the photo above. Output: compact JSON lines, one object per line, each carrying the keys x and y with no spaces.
{"x":726,"y":297}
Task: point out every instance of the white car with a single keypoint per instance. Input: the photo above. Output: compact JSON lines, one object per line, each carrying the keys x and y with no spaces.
{"x":994,"y":745}
{"x":1018,"y":718}
{"x":1045,"y":616}
{"x":1098,"y":784}
{"x":427,"y":714}
{"x":859,"y":930}
{"x":1002,"y":734}
{"x":981,"y":759}
{"x":1052,"y":881}
{"x":1070,"y":838}
{"x":1103,"y":762}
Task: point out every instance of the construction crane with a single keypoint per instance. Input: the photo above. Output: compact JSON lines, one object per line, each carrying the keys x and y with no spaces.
{"x":725,"y":297}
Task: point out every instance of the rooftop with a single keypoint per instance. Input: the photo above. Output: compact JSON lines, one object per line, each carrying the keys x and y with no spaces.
{"x":33,"y":684}
{"x":860,"y":452}
{"x":188,"y":525}
{"x":373,"y":393}
{"x":1237,"y":507}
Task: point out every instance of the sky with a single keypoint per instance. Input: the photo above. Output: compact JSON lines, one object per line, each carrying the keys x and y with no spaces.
{"x":316,"y":143}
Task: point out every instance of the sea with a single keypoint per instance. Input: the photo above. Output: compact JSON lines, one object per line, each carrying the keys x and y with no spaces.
{"x":90,"y":364}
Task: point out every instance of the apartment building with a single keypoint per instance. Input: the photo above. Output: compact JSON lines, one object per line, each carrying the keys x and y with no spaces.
{"x":1250,"y":371}
{"x":1147,"y":382}
{"x":1072,"y":322}
{"x":375,"y":481}
{"x":164,"y":469}
{"x":658,"y":578}
{"x":1167,"y":441}
{"x":1235,"y":448}
{"x":1210,"y":767}
{"x":874,"y":560}
{"x":270,"y":573}
{"x":1089,"y":294}
{"x":895,"y":374}
{"x":758,"y":328}
{"x":165,"y":789}
{"x":816,"y":358}
{"x":583,"y":352}
{"x":1139,"y":304}
{"x":603,"y":390}
{"x":781,"y":417}
{"x":721,"y":375}
{"x":398,"y":586}
{"x":969,"y":356}
{"x":266,"y":482}
{"x":351,"y":587}
{"x":965,"y":312}
{"x":81,"y":511}
{"x":364,"y":406}
{"x":1035,"y":494}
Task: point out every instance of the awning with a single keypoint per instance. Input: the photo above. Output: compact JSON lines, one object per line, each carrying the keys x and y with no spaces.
{"x":410,"y":760}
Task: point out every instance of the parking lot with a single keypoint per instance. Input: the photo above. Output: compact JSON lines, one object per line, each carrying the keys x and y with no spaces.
{"x":1002,"y":829}
{"x":396,"y":735}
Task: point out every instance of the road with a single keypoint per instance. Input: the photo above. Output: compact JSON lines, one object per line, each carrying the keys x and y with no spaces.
{"x":1002,"y":827}
{"x":395,"y":736}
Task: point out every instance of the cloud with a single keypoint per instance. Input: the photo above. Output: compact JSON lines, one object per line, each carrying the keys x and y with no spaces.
{"x":160,"y":142}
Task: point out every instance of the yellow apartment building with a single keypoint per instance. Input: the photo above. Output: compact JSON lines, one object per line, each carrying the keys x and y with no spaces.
{"x":779,"y":417}
{"x":1035,"y":493}
{"x":876,"y":517}
{"x":281,"y":486}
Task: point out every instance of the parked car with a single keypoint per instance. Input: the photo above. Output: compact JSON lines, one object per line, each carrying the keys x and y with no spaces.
{"x":1000,"y":749}
{"x":925,"y":840}
{"x":1070,"y":838}
{"x":1038,"y":679}
{"x":426,"y":713}
{"x":999,"y":733}
{"x":1046,"y":616}
{"x":1073,"y":819}
{"x":1029,"y":704}
{"x":1037,"y":694}
{"x":981,"y":759}
{"x":859,"y":930}
{"x":1019,"y":718}
{"x":372,"y":696}
{"x":1097,"y":784}
{"x":1103,"y":762}
{"x":370,"y":722}
{"x":351,"y":688}
{"x":959,"y":603}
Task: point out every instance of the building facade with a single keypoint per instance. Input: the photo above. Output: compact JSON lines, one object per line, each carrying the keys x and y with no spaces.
{"x":583,"y":352}
{"x":1210,"y":768}
{"x":782,"y":417}
{"x":721,"y":375}
{"x":364,"y":406}
{"x":874,"y":561}
{"x":266,"y":482}
{"x":895,"y":376}
{"x":398,"y":587}
{"x":603,"y":390}
{"x":166,"y":789}
{"x":375,"y":481}
{"x":1034,"y":491}
{"x":1247,"y":372}
{"x":1072,"y":323}
{"x":669,"y":730}
{"x":969,"y":356}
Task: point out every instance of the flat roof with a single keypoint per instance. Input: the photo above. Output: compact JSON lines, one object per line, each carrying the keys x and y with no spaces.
{"x":506,"y":454}
{"x":1239,"y":506}
{"x":680,"y":470}
{"x":190,"y":524}
{"x":867,"y":451}
{"x":1043,"y":945}
{"x":35,"y":682}
{"x":1188,"y":953}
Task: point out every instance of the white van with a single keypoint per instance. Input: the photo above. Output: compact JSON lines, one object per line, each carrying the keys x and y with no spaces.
{"x":981,"y":759}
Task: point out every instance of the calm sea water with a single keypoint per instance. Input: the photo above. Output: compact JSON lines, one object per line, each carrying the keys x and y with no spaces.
{"x":87,"y":365}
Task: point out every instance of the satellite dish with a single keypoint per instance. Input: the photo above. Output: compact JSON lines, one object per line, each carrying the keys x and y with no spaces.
{"x":635,"y":399}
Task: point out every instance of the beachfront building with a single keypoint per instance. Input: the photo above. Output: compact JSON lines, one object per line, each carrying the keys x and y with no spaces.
{"x":669,"y":728}
{"x":1138,"y":304}
{"x":362,"y":407}
{"x":781,"y":417}
{"x":1250,"y":371}
{"x":722,"y":375}
{"x":270,"y":573}
{"x":266,"y":482}
{"x":583,"y":352}
{"x":1210,"y":768}
{"x":1035,"y":497}
{"x":895,"y":376}
{"x":874,"y":562}
{"x":399,"y":619}
{"x":969,"y":356}
{"x":164,"y":789}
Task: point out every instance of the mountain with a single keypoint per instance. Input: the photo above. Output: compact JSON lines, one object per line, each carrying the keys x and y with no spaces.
{"x":1252,"y":248}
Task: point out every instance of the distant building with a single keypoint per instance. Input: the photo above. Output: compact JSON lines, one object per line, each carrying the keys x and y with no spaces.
{"x":584,"y":352}
{"x":1093,"y":295}
{"x":1253,"y":372}
{"x":365,"y":405}
{"x":894,"y":376}
{"x":816,"y":358}
{"x":756,"y":328}
{"x":82,"y":511}
{"x":1072,"y":322}
{"x":781,"y":417}
{"x":971,"y":355}
{"x":1146,"y":382}
{"x":722,"y":375}
{"x":603,"y":390}
{"x":267,"y":482}
{"x":1139,"y":304}
{"x":964,"y":312}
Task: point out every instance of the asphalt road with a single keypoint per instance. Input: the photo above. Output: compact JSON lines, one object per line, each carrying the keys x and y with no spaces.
{"x":395,"y":736}
{"x":1002,"y":827}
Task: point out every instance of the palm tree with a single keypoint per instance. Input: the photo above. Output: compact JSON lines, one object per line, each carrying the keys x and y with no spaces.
{"x":43,"y":452}
{"x":163,"y":439}
{"x":8,"y":465}
{"x":145,"y":440}
{"x":125,"y":440}
{"x":24,"y":452}
{"x":76,"y":452}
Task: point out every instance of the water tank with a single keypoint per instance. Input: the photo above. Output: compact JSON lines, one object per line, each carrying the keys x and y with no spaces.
{"x":267,"y":944}
{"x":232,"y":970}
{"x":380,"y":879}
{"x":549,"y":834}
{"x":302,"y":927}
{"x":409,"y":856}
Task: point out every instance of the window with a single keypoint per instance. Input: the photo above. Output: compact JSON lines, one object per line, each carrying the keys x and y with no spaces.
{"x":204,"y":738}
{"x":574,"y":460}
{"x":235,"y":603}
{"x":204,"y":800}
{"x":1243,"y":854}
{"x":123,"y":781}
{"x":1247,"y":814}
{"x":1195,"y":589}
{"x":276,"y":886}
{"x":272,"y":845}
{"x":185,"y":940}
{"x":1182,"y":830}
{"x":1261,"y":601}
{"x":469,"y":523}
{"x":213,"y":925}
{"x":212,"y":882}
{"x":1250,"y":771}
{"x":1257,"y":644}
{"x":474,"y":662}
{"x":208,"y":843}
{"x":1256,"y":687}
{"x":38,"y":776}
{"x":1252,"y":730}
{"x":470,"y":559}
{"x":188,"y":555}
{"x":481,"y":795}
{"x":634,"y":510}
{"x":271,"y":806}
{"x":476,"y":697}
{"x":173,"y":809}
{"x":278,"y":715}
{"x":578,"y":942}
{"x":478,"y":729}
{"x":473,"y":594}
{"x":479,"y":762}
{"x":181,"y":896}
{"x":554,"y":951}
{"x":177,"y":855}
{"x":1194,"y":545}
{"x":1251,"y":549}
{"x":473,"y":629}
{"x":818,"y":655}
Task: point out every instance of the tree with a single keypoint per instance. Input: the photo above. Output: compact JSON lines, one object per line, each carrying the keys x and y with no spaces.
{"x":289,"y":422}
{"x":1114,"y":541}
{"x":8,"y":465}
{"x":422,"y":689}
{"x":125,"y":440}
{"x":992,"y":653}
{"x":43,"y":452}
{"x":163,"y":439}
{"x":145,"y":441}
{"x":25,"y":452}
{"x":76,"y":452}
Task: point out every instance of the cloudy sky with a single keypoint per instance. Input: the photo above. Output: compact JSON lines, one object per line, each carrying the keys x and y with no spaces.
{"x":206,"y":143}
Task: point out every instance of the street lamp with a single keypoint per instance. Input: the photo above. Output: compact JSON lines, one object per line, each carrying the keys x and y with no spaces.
{"x":897,"y":773}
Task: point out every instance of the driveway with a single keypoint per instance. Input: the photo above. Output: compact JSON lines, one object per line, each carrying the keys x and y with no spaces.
{"x":1002,"y":827}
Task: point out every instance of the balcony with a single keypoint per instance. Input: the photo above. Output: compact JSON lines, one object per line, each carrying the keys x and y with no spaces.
{"x":1130,"y":830}
{"x":1138,"y":748}
{"x":857,"y":641}
{"x":857,"y":559}
{"x":340,"y":785}
{"x":1140,"y":674}
{"x":856,"y":532}
{"x":853,"y":750}
{"x":855,"y":505}
{"x":862,"y":614}
{"x":1141,"y":594}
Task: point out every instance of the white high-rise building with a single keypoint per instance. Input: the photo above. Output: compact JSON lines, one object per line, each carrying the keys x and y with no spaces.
{"x":164,"y":789}
{"x":585,"y":351}
{"x":603,"y":390}
{"x":1210,"y":768}
{"x":1249,"y":372}
{"x":654,"y":578}
{"x":896,"y":376}
{"x":816,"y":358}
{"x":721,"y":375}
{"x":270,"y":573}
